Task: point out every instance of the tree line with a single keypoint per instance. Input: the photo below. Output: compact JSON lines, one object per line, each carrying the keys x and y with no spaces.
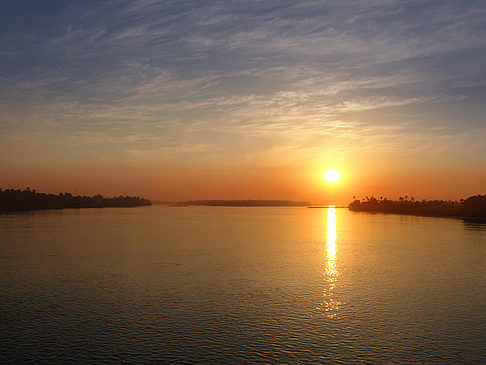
{"x":16,"y":199}
{"x":474,"y":206}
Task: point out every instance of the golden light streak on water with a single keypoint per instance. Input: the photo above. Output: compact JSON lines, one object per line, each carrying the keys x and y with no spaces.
{"x":331,"y":236}
{"x":331,"y":305}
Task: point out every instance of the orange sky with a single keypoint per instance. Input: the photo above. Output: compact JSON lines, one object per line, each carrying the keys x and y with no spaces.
{"x":286,"y":182}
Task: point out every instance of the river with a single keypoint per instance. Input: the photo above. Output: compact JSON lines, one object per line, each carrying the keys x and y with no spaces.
{"x":240,"y":284}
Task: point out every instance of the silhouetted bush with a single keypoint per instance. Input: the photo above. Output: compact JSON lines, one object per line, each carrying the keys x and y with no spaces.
{"x":475,"y":206}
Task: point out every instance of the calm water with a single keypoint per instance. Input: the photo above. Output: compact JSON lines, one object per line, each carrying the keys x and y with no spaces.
{"x":221,"y":284}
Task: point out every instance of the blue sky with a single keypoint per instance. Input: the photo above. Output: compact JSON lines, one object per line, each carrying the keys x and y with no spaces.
{"x":376,"y":85}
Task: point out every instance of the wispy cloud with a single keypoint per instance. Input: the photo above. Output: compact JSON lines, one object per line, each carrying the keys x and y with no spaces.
{"x":176,"y":77}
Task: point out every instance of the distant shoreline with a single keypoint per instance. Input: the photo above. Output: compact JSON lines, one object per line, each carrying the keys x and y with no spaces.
{"x":235,"y":203}
{"x":327,"y":206}
{"x":474,"y":207}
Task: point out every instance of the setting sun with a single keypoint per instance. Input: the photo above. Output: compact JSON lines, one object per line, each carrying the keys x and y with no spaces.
{"x":331,"y":176}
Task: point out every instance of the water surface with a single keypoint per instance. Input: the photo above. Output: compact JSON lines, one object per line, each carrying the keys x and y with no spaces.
{"x":230,"y":284}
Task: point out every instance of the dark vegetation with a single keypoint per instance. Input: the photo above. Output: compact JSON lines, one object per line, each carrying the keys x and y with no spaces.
{"x":473,"y":207}
{"x":11,"y":200}
{"x":247,"y":203}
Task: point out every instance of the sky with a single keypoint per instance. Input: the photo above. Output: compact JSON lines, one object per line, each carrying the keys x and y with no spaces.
{"x":176,"y":100}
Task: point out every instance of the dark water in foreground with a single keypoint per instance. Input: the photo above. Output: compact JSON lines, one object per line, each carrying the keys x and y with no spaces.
{"x":216,"y":284}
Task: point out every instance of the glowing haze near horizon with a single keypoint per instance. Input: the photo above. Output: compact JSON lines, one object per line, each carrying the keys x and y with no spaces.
{"x":230,"y":99}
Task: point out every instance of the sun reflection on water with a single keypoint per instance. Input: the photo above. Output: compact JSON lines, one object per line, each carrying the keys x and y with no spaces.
{"x":331,"y":243}
{"x":331,"y":305}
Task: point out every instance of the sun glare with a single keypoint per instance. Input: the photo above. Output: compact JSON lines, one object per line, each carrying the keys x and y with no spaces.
{"x":332,"y":176}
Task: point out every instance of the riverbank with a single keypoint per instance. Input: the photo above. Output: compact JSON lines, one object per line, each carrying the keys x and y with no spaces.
{"x":473,"y":207}
{"x":17,"y":200}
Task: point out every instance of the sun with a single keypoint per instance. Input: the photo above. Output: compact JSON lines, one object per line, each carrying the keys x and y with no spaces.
{"x":332,"y":175}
